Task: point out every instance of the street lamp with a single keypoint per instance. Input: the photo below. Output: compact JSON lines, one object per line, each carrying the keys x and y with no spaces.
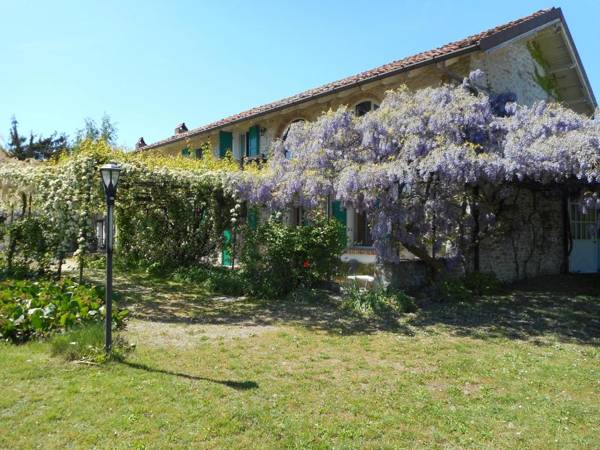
{"x":110,"y":178}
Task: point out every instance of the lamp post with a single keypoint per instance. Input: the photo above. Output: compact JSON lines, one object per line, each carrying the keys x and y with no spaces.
{"x":110,"y":178}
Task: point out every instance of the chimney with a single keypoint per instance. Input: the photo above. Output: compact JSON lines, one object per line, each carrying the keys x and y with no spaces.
{"x":140,"y":143}
{"x":181,"y":128}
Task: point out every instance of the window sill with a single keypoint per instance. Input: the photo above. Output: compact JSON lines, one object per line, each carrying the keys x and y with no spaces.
{"x":360,"y":250}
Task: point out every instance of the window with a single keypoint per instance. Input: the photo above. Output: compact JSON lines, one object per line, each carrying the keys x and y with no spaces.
{"x":199,"y":153}
{"x":284,"y":136}
{"x":584,"y":226}
{"x":243,"y":142}
{"x":363,"y":108}
{"x":298,"y":216}
{"x":185,"y":152}
{"x":362,"y":231}
{"x":253,"y":141}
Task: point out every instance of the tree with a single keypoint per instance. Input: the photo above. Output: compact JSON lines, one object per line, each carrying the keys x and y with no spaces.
{"x":106,"y":131}
{"x":36,"y":147}
{"x":16,"y":143}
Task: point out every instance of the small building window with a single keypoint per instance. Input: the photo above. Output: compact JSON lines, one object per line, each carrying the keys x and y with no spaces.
{"x":199,"y":153}
{"x":297,"y":216}
{"x":185,"y":152}
{"x":363,"y":108}
{"x":284,"y":136}
{"x":362,"y":230}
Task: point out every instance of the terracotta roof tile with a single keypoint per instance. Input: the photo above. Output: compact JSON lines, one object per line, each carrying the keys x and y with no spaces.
{"x":470,"y":43}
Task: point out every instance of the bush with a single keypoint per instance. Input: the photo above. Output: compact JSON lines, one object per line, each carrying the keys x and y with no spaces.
{"x":467,"y":288}
{"x":31,"y":309}
{"x":482,"y":283}
{"x":277,"y":259}
{"x":377,"y":301}
{"x":226,"y":281}
{"x":28,"y":247}
{"x":220,"y":280}
{"x":86,"y":342}
{"x":197,"y":274}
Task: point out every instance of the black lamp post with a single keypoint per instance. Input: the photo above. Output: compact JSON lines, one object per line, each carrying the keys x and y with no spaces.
{"x":110,"y":178}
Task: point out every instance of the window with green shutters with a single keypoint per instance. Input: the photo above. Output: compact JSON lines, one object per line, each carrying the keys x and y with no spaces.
{"x":185,"y":152}
{"x":225,"y":143}
{"x":339,"y":213}
{"x":253,"y":147}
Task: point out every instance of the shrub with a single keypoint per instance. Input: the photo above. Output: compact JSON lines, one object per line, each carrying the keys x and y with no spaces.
{"x":467,"y":288}
{"x":226,"y":281}
{"x":277,"y":259}
{"x":482,"y":283}
{"x":452,"y":290}
{"x":377,"y":301}
{"x":86,"y":342}
{"x":196,"y":274}
{"x":36,"y":308}
{"x":28,"y":247}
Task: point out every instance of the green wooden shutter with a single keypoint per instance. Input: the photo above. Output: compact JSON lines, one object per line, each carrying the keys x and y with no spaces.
{"x":253,"y":218}
{"x":253,"y":141}
{"x":339,"y":213}
{"x":185,"y":152}
{"x":226,"y":253}
{"x":225,"y":142}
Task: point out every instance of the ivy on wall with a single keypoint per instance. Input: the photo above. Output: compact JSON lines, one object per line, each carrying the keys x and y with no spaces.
{"x":546,"y":82}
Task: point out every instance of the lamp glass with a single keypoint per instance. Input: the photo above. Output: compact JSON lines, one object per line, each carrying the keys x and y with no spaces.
{"x":110,"y":175}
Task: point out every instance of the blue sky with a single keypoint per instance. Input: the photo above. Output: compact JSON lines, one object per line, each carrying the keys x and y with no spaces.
{"x":151,"y":67}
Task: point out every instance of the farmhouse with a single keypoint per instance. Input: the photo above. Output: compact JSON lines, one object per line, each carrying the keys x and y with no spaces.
{"x":533,"y":57}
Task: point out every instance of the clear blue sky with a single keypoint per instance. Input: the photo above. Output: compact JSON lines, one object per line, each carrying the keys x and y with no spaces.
{"x":151,"y":65}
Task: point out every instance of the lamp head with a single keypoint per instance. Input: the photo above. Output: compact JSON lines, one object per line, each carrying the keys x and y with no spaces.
{"x":110,"y":178}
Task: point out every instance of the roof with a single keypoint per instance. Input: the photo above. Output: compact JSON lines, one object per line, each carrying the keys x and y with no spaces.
{"x":481,"y":41}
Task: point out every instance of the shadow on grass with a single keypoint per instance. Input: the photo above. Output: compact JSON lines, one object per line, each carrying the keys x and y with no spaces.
{"x":237,"y":385}
{"x":566,"y":308}
{"x":167,"y":301}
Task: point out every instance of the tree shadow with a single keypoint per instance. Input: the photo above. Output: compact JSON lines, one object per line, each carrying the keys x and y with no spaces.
{"x":237,"y":385}
{"x":564,"y":308}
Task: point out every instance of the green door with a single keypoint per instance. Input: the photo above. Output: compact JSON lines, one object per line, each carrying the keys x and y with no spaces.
{"x":339,"y":213}
{"x":253,"y":218}
{"x":253,"y":141}
{"x":226,"y":253}
{"x":225,"y":143}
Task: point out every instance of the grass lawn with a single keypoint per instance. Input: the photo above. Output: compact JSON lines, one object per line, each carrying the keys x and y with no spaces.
{"x":521,"y":370}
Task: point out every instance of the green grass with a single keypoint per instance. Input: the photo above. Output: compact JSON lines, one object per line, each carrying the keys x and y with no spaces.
{"x":81,"y":343}
{"x":520,"y":370}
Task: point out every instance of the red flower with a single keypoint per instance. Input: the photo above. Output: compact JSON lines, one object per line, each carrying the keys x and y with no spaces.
{"x":306,"y":264}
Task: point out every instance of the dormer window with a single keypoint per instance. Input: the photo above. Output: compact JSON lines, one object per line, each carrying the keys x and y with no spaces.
{"x":181,"y":128}
{"x":363,"y":108}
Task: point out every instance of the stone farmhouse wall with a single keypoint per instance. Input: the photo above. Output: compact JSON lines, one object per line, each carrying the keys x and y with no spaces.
{"x":531,"y":242}
{"x":510,"y":67}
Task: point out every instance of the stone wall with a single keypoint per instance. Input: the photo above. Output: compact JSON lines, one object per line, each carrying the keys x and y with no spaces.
{"x":511,"y":68}
{"x":527,"y":244}
{"x":531,"y":241}
{"x":405,"y":274}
